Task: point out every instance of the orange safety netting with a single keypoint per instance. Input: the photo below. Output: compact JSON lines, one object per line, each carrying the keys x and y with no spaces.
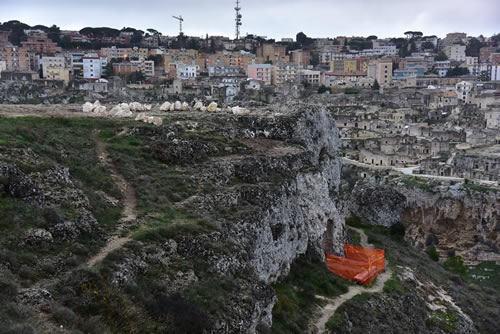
{"x":360,"y":264}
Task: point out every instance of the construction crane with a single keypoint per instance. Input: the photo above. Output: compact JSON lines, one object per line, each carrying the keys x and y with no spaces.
{"x":180,"y":19}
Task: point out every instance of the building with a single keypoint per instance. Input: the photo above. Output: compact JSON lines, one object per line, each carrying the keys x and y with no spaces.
{"x":309,"y":76}
{"x":131,"y":53}
{"x":186,"y":72}
{"x":93,"y":66}
{"x":18,"y":59}
{"x":381,"y":71}
{"x":455,"y":52}
{"x":147,"y":67}
{"x":261,"y":72}
{"x":464,"y":91}
{"x":494,"y":71}
{"x":46,"y":62}
{"x":283,"y":74}
{"x":485,"y":52}
{"x":271,"y":52}
{"x":39,"y":43}
{"x":58,"y":73}
{"x":347,"y":79}
{"x":492,"y":118}
{"x":124,"y":69}
{"x":3,"y":66}
{"x":301,"y":58}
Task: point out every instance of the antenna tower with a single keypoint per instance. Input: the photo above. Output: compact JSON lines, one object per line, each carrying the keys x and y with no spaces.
{"x":238,"y":18}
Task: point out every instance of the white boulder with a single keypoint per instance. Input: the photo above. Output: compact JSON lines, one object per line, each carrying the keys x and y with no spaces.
{"x":87,"y":107}
{"x":100,"y":110}
{"x":178,"y":105}
{"x":157,"y":121}
{"x":140,"y":117}
{"x":185,"y":106}
{"x":240,"y":111}
{"x":212,"y":107}
{"x":203,"y":108}
{"x":172,"y":107}
{"x":165,"y":106}
{"x":147,"y":107}
{"x":197,"y":106}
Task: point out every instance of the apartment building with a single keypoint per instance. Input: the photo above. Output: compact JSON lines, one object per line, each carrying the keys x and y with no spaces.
{"x":311,"y":77}
{"x":283,"y":74}
{"x":381,"y":70}
{"x":455,"y":52}
{"x":17,"y":58}
{"x":93,"y":66}
{"x":40,"y":43}
{"x":114,"y":52}
{"x":260,"y":72}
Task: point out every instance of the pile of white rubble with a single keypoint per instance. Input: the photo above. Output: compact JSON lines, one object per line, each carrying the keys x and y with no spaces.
{"x":198,"y":106}
{"x":119,"y":111}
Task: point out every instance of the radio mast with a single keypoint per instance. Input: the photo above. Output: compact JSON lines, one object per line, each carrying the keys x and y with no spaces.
{"x":238,"y":18}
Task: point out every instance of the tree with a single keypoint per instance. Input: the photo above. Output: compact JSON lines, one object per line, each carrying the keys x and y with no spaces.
{"x":375,"y":86}
{"x":371,"y":38}
{"x":322,"y":89}
{"x":135,"y":77}
{"x":427,"y":46}
{"x":441,"y":57}
{"x":54,"y":33}
{"x":158,"y":59}
{"x":314,"y":59}
{"x":473,"y":47}
{"x":457,"y":71}
{"x":301,"y":38}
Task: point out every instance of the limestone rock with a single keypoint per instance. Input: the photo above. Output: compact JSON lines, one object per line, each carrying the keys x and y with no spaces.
{"x":178,"y":105}
{"x":240,"y":111}
{"x":165,"y":106}
{"x":87,"y":107}
{"x":212,"y":107}
{"x":185,"y":106}
{"x":197,"y":106}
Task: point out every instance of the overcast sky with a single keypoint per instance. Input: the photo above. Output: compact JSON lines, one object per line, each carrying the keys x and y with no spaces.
{"x":272,"y":18}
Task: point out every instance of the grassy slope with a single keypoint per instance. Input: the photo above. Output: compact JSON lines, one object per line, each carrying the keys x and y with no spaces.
{"x":479,"y":299}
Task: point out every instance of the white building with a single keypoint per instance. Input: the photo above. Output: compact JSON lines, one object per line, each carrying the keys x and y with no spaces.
{"x":455,"y":52}
{"x":464,"y":91}
{"x":52,"y":62}
{"x":495,"y":72}
{"x":3,"y":66}
{"x":185,"y":71}
{"x":93,"y":66}
{"x":492,"y":119}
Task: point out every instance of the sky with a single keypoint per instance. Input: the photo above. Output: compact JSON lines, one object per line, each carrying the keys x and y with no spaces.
{"x":272,"y":18}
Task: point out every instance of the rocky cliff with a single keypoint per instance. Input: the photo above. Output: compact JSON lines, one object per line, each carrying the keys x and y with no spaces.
{"x":225,"y":205}
{"x":458,"y":219}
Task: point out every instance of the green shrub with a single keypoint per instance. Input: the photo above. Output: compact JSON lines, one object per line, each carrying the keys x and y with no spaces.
{"x":397,"y":231}
{"x":393,"y":285}
{"x":455,"y":264}
{"x":354,"y":221}
{"x":433,"y":253}
{"x":444,"y":320}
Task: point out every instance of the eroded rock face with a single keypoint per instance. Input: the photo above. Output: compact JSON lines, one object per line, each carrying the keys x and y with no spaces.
{"x":377,"y":204}
{"x":453,"y":218}
{"x":282,"y":205}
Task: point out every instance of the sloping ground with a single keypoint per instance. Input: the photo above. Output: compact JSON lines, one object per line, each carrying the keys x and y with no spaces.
{"x":420,"y":297}
{"x":259,"y":196}
{"x":327,"y":311}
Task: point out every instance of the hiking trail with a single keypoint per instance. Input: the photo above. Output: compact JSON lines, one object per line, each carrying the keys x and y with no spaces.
{"x":129,"y":215}
{"x":334,"y":303}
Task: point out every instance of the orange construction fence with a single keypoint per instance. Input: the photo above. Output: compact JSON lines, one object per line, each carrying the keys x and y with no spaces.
{"x":360,"y":264}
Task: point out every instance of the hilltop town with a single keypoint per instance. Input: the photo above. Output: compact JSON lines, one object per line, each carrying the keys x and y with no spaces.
{"x":405,"y":101}
{"x":180,"y":184}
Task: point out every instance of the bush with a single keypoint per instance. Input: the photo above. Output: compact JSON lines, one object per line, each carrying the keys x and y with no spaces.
{"x":455,"y":264}
{"x":63,"y":315}
{"x":393,"y":285}
{"x":433,"y":253}
{"x":397,"y":231}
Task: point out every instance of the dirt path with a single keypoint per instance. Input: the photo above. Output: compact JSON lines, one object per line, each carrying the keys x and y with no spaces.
{"x":129,"y":205}
{"x":334,"y":303}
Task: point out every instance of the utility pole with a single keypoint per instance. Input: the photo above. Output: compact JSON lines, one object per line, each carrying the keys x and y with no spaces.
{"x":238,"y":18}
